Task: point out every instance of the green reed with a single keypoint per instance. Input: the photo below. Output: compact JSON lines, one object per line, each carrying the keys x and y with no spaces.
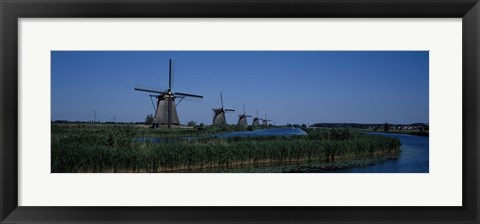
{"x":111,"y":148}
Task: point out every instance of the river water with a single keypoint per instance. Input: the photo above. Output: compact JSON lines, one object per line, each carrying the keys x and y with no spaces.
{"x":414,"y":157}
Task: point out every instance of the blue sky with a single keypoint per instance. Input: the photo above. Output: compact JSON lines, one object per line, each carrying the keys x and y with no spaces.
{"x":290,"y":86}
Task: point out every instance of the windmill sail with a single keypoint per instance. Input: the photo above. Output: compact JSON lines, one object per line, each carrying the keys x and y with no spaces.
{"x":166,"y":113}
{"x":265,"y":121}
{"x":256,"y":121}
{"x":242,"y":118}
{"x":219,"y":114}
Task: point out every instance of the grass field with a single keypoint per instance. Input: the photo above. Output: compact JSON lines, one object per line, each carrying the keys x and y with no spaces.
{"x":111,"y":148}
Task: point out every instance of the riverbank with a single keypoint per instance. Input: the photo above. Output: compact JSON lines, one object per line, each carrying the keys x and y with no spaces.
{"x":403,"y":132}
{"x":105,"y":149}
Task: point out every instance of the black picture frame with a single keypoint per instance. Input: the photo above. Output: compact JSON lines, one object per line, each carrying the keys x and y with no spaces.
{"x":11,"y":11}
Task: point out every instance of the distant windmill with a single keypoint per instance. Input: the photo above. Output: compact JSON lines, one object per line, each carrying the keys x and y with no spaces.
{"x":265,"y":121}
{"x":242,"y":118}
{"x":166,"y":112}
{"x":219,"y":114}
{"x":256,"y":121}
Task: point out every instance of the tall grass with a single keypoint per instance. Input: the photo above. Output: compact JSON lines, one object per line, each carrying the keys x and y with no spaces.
{"x":111,"y":148}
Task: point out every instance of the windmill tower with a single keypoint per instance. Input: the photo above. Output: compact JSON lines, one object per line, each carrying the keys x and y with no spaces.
{"x":166,"y":113}
{"x":265,"y":121}
{"x":242,"y":118}
{"x":219,"y":114}
{"x":256,"y":121}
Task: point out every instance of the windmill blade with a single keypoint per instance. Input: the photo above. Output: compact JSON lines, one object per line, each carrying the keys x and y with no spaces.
{"x":248,"y":115}
{"x":170,"y":106}
{"x":169,"y":112}
{"x":244,"y":109}
{"x":229,"y":110}
{"x":153,"y":104}
{"x":170,"y":74}
{"x":221,"y":99}
{"x":149,"y":90}
{"x":187,"y":95}
{"x":181,"y":98}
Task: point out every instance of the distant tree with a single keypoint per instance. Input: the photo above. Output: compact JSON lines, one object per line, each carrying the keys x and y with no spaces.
{"x":201,"y":125}
{"x":386,"y":127}
{"x":304,"y":125}
{"x":149,"y":119}
{"x":191,"y":123}
{"x":289,"y":125}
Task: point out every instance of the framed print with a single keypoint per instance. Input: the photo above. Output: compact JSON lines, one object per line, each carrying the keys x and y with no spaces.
{"x":248,"y":112}
{"x":114,"y":154}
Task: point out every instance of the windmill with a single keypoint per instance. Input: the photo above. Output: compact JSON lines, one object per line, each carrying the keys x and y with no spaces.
{"x":166,"y":112}
{"x":219,"y":114}
{"x":256,"y":121}
{"x":265,"y":121}
{"x":242,"y":118}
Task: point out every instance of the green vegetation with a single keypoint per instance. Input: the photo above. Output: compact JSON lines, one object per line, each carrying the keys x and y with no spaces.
{"x":419,"y":129}
{"x":404,"y":132}
{"x":412,"y":132}
{"x":112,"y":148}
{"x":192,"y":123}
{"x":386,"y":127}
{"x":149,"y":119}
